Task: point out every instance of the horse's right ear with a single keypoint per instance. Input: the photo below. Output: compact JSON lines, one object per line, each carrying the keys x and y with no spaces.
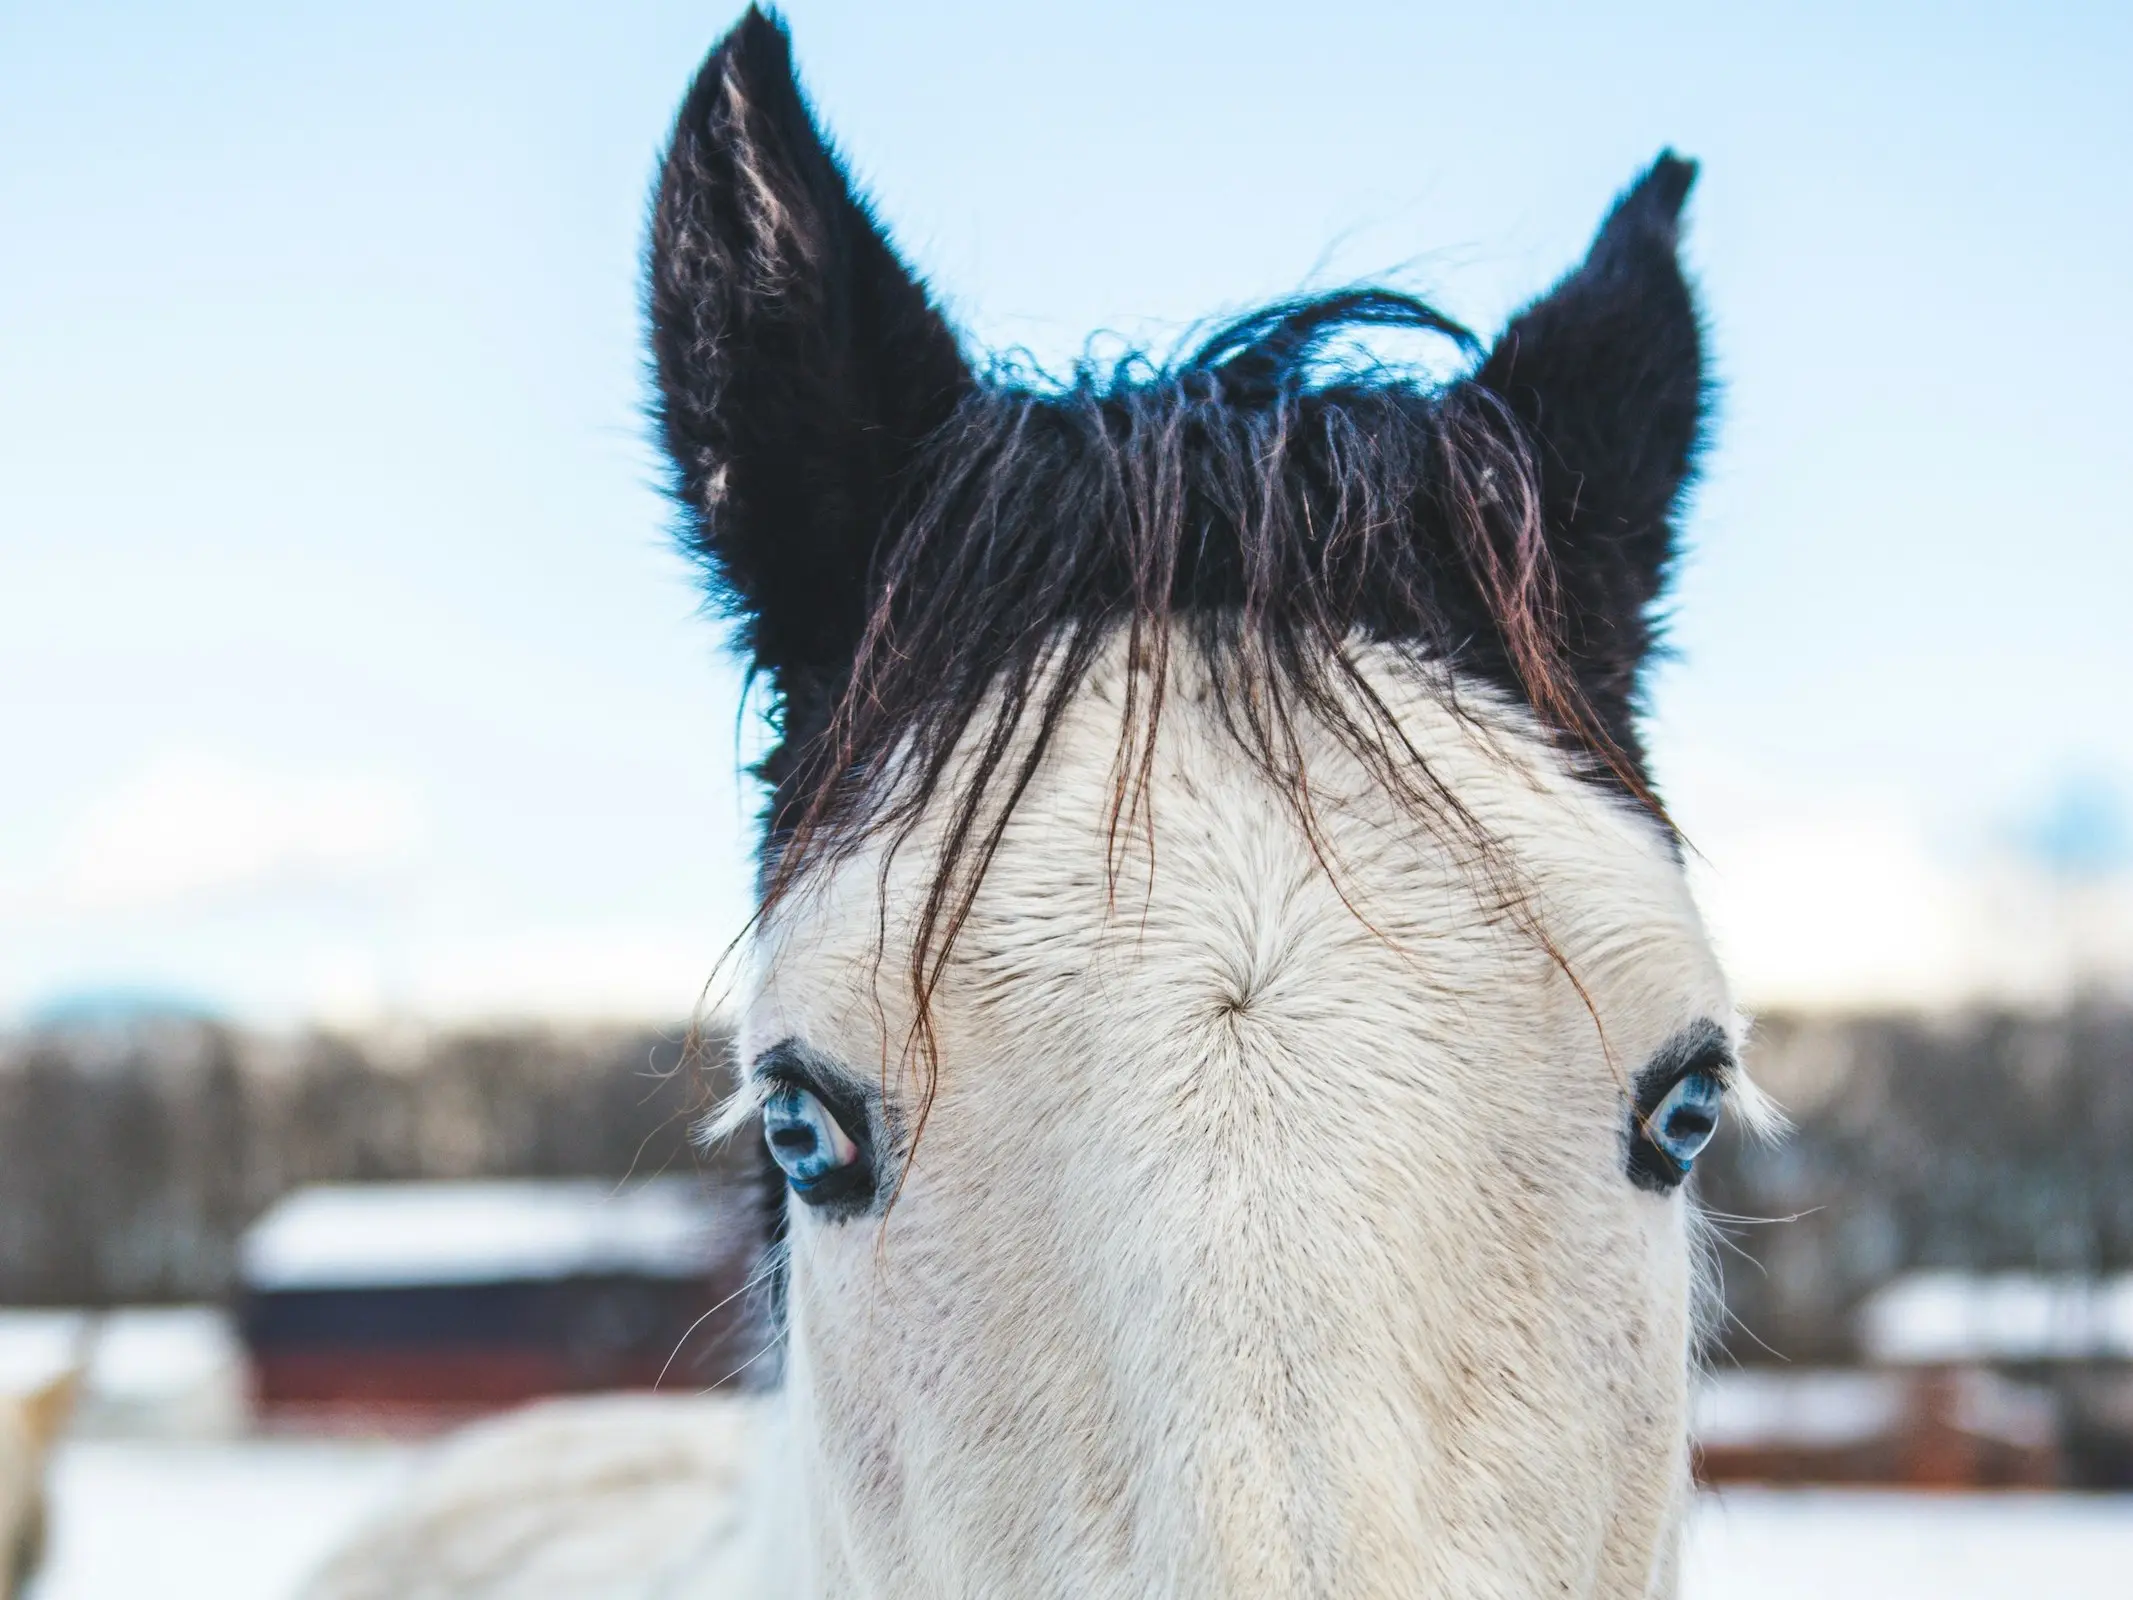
{"x":799,"y":361}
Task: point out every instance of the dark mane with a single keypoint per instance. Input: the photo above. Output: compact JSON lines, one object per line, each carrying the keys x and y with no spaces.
{"x":1272,"y":497}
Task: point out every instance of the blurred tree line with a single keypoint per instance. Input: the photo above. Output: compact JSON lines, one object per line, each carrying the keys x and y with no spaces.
{"x":131,"y":1157}
{"x":1987,"y":1141}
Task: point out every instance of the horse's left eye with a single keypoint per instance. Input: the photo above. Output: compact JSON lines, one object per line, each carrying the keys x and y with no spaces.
{"x":1685,"y":1120}
{"x":1682,"y":1123}
{"x":1679,"y":1096}
{"x":804,"y":1139}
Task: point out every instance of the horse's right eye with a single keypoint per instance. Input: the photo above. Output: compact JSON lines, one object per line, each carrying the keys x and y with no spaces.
{"x":805,"y":1140}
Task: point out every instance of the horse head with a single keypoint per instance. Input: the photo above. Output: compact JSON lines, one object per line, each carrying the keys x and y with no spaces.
{"x":1225,"y":1018}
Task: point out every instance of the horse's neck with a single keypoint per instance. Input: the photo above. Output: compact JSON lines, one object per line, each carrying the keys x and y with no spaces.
{"x":644,"y":1496}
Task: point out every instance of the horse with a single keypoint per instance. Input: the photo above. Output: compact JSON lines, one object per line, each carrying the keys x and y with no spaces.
{"x":1225,"y":1023}
{"x":30,"y":1425}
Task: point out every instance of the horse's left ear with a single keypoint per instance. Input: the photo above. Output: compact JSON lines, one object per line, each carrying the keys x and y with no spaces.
{"x":800,"y":362}
{"x":1605,"y":376}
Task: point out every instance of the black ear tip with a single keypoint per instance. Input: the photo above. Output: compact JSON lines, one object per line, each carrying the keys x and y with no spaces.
{"x":758,"y":43}
{"x":753,"y":58}
{"x":1669,"y":182}
{"x":1655,"y":200}
{"x":1650,"y":208}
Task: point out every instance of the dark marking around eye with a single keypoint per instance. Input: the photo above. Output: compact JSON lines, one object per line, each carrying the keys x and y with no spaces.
{"x":1678,"y":1096}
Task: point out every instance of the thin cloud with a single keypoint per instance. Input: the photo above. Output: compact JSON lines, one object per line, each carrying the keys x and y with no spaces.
{"x":195,"y":827}
{"x":1858,"y":906}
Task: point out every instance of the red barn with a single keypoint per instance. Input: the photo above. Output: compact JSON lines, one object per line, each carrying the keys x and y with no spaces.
{"x":466,"y":1296}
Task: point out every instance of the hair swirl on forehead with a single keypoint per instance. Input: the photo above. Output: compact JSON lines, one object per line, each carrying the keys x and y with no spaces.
{"x":1272,"y":499}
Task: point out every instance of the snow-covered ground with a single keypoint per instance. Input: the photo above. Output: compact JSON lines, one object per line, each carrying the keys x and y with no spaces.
{"x":1759,"y":1544}
{"x":244,"y":1520}
{"x":199,"y":1520}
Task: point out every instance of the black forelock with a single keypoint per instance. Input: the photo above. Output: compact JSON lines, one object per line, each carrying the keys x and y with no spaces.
{"x":1274,"y":496}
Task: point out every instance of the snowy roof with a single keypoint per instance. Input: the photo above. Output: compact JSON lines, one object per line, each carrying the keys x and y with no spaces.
{"x":1933,"y":1317}
{"x":1793,"y":1408}
{"x":380,"y":1235}
{"x":1814,"y":1408}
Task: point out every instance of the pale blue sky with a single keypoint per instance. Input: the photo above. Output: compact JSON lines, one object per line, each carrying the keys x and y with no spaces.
{"x":344,"y":664}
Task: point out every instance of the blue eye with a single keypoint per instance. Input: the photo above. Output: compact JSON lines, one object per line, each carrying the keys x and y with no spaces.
{"x":805,"y":1140}
{"x":1682,"y":1124}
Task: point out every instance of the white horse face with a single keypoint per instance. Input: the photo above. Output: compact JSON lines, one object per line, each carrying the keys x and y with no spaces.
{"x":1271,"y":1232}
{"x":1292,"y":1211}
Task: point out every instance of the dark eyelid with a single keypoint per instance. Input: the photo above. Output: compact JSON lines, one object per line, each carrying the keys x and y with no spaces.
{"x":843,"y":1096}
{"x":1700,"y":1047}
